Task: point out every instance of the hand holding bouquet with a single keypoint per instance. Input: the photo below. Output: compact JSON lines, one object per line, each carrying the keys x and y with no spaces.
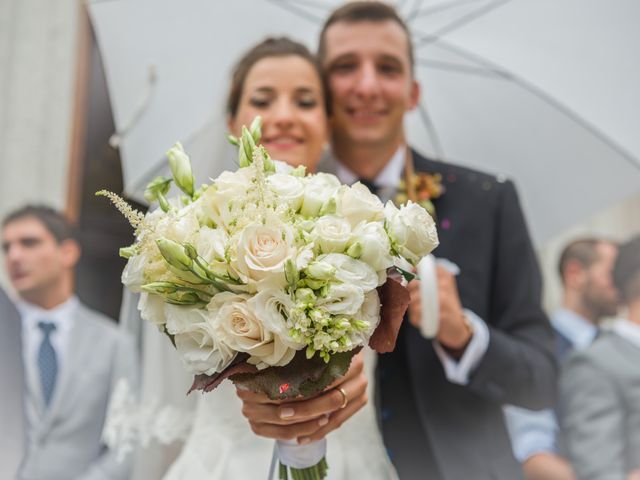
{"x":271,"y":277}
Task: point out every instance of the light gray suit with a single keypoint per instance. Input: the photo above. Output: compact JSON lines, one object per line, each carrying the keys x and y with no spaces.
{"x":600,"y":409}
{"x":66,"y":443}
{"x":12,"y":421}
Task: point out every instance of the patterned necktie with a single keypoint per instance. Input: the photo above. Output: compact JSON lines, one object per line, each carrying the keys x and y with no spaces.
{"x":47,"y":361}
{"x":373,"y":188}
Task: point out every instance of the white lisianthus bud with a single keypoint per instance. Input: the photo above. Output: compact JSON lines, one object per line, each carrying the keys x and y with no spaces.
{"x":352,"y":271}
{"x":321,"y":271}
{"x":412,"y":231}
{"x":375,"y":245}
{"x":331,"y":234}
{"x":181,"y":168}
{"x":318,"y":189}
{"x":288,"y":188}
{"x":358,"y":204}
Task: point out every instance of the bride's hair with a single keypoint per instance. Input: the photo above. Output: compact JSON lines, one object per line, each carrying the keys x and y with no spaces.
{"x":270,"y":47}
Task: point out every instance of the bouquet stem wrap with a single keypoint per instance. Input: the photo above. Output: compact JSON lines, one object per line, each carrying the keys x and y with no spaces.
{"x":302,"y":462}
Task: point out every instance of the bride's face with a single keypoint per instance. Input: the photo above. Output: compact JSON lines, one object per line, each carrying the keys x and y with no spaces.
{"x":287,"y":93}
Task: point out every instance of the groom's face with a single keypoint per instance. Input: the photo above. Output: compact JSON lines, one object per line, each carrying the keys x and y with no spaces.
{"x":370,"y":79}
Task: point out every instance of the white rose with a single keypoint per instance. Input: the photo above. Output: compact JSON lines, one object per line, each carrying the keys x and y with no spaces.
{"x":411,"y":230}
{"x":133,"y":274}
{"x":237,"y":326}
{"x":272,"y":306}
{"x":200,"y":352}
{"x":358,"y":204}
{"x":152,"y":308}
{"x":179,"y":226}
{"x":288,"y":188}
{"x":351,"y":271}
{"x":369,"y":313}
{"x":332,"y":233}
{"x":262,"y":251}
{"x":317,"y":190}
{"x":376,"y":248}
{"x":342,"y":299}
{"x":211,"y":243}
{"x":222,"y":201}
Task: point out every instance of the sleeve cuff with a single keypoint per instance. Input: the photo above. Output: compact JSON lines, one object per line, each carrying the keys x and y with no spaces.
{"x":458,"y":371}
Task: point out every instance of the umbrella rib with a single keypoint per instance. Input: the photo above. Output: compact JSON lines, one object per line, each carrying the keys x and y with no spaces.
{"x":461,"y":22}
{"x":296,"y":10}
{"x":442,"y":7}
{"x":542,"y":95}
{"x":453,"y":67}
{"x":431,"y":131}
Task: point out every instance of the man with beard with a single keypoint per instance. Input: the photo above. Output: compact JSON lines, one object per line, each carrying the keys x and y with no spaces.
{"x":585,"y":267}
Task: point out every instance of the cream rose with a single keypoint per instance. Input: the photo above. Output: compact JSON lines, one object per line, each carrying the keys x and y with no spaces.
{"x":262,"y":250}
{"x":318,"y":189}
{"x":358,"y":204}
{"x":222,"y":201}
{"x":288,"y":188}
{"x":412,"y":231}
{"x":272,"y":306}
{"x":237,"y":326}
{"x":332,"y":233}
{"x":351,"y":271}
{"x":375,"y":245}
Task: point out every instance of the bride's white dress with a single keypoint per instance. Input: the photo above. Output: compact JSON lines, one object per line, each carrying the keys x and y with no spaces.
{"x":220,"y":443}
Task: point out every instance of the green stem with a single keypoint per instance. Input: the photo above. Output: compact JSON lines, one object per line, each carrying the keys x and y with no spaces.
{"x":316,"y":472}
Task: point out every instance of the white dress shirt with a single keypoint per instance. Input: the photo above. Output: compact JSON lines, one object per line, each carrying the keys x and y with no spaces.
{"x":62,"y":317}
{"x":628,"y":330}
{"x":456,"y":370}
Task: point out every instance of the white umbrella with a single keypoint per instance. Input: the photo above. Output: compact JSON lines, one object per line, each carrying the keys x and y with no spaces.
{"x":544,"y":91}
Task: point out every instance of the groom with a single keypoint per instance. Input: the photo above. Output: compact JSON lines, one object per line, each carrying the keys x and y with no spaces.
{"x":439,"y":400}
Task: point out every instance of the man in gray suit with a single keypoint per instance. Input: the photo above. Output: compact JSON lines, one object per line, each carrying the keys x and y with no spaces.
{"x":72,"y":355}
{"x":600,"y":388}
{"x":11,"y":380}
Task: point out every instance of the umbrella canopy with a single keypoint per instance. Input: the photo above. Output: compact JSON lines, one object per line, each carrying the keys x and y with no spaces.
{"x":543,"y":91}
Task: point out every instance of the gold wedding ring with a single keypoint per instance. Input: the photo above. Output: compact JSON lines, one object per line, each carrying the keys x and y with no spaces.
{"x":345,"y":400}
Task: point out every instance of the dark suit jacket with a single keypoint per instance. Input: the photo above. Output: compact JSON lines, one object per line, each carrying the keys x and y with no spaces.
{"x":482,"y":229}
{"x":12,"y":439}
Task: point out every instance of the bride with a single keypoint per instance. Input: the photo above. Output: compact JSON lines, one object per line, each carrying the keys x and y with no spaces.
{"x":280,"y":80}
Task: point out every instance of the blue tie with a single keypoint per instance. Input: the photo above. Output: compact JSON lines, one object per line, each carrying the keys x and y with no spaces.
{"x":47,"y":362}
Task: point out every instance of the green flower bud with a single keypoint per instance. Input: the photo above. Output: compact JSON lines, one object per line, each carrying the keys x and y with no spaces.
{"x":243,"y":160}
{"x":190,"y":250}
{"x":291,"y":273}
{"x":355,"y":250}
{"x":313,"y":283}
{"x":233,"y":140}
{"x":310,"y":352}
{"x":299,"y":171}
{"x":305,"y":296}
{"x":247,"y":142}
{"x":174,"y":254}
{"x":181,"y":168}
{"x":334,"y":345}
{"x":361,"y":324}
{"x":329,"y":207}
{"x":156,"y":191}
{"x":320,"y":270}
{"x":128,"y":252}
{"x":256,"y":129}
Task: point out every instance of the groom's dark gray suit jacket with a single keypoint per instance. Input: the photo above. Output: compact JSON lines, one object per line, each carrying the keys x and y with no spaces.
{"x":482,"y":229}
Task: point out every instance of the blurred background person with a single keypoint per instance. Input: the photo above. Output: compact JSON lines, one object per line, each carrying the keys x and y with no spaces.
{"x":72,"y":355}
{"x":600,"y":387}
{"x":585,"y":267}
{"x":12,"y":439}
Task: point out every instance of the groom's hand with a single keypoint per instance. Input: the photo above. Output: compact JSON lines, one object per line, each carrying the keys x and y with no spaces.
{"x":455,"y":332}
{"x":310,"y":419}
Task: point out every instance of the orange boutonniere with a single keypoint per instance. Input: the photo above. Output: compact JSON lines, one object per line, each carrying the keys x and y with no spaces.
{"x":423,"y":188}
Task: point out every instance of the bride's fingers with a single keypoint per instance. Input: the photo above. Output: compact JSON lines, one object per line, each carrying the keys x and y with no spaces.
{"x":336,"y":420}
{"x":274,"y":414}
{"x":287,"y":432}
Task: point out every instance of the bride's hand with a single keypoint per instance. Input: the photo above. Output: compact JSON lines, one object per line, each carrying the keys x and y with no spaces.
{"x":310,"y":419}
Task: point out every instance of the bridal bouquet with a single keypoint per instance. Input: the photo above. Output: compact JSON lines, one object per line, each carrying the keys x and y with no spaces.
{"x":271,"y":277}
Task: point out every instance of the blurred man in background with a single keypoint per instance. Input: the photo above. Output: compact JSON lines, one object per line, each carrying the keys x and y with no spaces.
{"x":589,"y":295}
{"x":600,"y":388}
{"x":72,"y":355}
